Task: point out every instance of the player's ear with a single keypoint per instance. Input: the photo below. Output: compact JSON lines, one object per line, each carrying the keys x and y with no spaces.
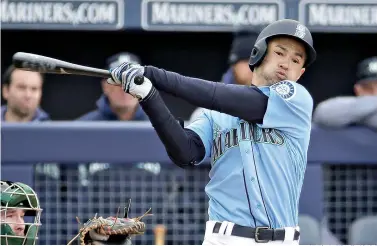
{"x":301,"y":73}
{"x":5,"y":92}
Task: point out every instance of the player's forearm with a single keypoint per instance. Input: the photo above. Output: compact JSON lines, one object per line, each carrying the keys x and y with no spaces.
{"x":245,"y":102}
{"x":182,"y":146}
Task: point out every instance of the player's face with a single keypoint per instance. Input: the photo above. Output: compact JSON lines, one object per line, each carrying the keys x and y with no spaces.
{"x":15,"y":219}
{"x":24,"y":92}
{"x":284,"y":60}
{"x":242,"y":73}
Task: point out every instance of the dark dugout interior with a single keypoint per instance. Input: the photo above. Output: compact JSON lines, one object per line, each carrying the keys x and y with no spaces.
{"x":203,"y":55}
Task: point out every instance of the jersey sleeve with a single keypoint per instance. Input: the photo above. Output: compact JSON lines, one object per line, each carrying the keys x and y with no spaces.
{"x":202,"y":125}
{"x":289,"y":109}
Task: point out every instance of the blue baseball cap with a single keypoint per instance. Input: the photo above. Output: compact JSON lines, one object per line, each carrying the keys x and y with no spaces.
{"x":367,"y":70}
{"x":242,"y":45}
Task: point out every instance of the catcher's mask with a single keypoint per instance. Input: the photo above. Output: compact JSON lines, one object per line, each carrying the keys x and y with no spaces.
{"x":18,"y":197}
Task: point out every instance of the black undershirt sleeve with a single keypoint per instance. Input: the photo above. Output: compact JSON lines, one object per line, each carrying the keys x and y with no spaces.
{"x":245,"y":102}
{"x":183,"y":146}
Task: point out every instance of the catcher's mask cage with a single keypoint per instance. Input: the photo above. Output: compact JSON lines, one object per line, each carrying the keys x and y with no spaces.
{"x":288,"y":28}
{"x":15,"y":196}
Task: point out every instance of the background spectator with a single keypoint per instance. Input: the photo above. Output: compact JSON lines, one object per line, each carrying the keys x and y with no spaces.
{"x":23,"y":91}
{"x":114,"y":104}
{"x":239,"y":71}
{"x":360,"y":109}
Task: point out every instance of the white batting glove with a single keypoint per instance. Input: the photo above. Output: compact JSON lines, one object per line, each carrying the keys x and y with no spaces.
{"x":125,"y":74}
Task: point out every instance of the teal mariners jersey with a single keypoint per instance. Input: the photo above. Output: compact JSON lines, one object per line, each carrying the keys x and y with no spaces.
{"x":258,"y":169}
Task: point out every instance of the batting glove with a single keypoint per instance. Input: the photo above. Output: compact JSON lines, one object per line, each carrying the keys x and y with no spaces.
{"x":125,"y":74}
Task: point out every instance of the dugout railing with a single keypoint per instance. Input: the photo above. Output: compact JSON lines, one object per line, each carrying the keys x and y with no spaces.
{"x":83,"y":168}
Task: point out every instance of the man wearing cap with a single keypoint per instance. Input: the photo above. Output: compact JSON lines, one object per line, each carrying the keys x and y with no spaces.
{"x":114,"y":104}
{"x":239,"y":71}
{"x":360,"y":109}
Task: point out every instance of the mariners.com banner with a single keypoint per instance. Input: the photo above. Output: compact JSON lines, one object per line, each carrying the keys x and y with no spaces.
{"x":90,"y":14}
{"x":182,"y":15}
{"x":209,"y":15}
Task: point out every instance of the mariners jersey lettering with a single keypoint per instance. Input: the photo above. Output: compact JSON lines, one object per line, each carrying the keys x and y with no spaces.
{"x":258,"y":169}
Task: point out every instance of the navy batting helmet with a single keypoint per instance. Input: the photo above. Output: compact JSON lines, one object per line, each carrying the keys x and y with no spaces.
{"x":286,"y":27}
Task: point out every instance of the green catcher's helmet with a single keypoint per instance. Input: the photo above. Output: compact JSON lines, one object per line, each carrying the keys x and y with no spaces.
{"x":15,"y":196}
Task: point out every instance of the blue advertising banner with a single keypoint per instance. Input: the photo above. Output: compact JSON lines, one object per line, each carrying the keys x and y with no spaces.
{"x":213,"y":15}
{"x":63,"y":14}
{"x":347,"y":16}
{"x":339,"y":16}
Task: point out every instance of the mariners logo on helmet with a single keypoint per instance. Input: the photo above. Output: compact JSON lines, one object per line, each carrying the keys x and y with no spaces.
{"x":300,"y":31}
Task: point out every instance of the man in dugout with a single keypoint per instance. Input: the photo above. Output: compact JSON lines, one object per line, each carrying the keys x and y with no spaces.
{"x":360,"y":109}
{"x":22,"y":90}
{"x":114,"y":104}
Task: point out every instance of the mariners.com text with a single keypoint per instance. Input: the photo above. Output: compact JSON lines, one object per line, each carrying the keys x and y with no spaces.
{"x":59,"y":13}
{"x":228,"y":14}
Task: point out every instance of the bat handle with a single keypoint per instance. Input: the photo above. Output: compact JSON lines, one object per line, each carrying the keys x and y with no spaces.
{"x":139,"y":80}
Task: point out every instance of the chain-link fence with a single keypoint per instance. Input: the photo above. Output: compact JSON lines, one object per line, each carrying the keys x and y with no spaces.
{"x":350,"y":192}
{"x":176,"y":196}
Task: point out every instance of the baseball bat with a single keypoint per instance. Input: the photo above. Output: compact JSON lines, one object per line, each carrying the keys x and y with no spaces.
{"x":44,"y":64}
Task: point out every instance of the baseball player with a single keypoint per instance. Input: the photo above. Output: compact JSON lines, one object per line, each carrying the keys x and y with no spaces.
{"x":256,"y":136}
{"x":19,"y":203}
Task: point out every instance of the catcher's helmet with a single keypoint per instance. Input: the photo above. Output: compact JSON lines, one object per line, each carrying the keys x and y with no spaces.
{"x":286,"y":27}
{"x":19,"y":196}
